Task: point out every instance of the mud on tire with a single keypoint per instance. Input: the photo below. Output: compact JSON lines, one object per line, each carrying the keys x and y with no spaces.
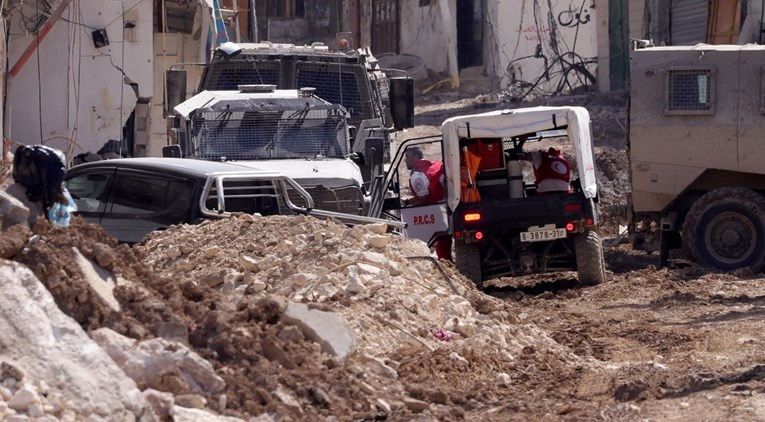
{"x":467,"y":259}
{"x":590,"y":263}
{"x":725,"y":229}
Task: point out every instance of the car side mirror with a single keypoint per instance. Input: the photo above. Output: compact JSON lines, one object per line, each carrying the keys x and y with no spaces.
{"x":172,"y":151}
{"x":401,"y":99}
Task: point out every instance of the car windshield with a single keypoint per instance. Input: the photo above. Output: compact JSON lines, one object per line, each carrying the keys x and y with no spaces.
{"x":248,"y":135}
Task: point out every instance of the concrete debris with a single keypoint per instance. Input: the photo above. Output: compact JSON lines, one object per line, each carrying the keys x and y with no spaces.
{"x":51,"y":346}
{"x":184,"y":414}
{"x":328,"y":329}
{"x":145,"y":362}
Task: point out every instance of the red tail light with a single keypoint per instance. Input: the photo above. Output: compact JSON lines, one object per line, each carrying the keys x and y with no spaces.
{"x":458,"y":234}
{"x":590,"y":222}
{"x":472,"y":217}
{"x":478,"y":235}
{"x":570,"y":227}
{"x":572,"y":207}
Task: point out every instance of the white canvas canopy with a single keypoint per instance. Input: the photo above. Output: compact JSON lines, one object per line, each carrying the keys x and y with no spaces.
{"x":509,"y":123}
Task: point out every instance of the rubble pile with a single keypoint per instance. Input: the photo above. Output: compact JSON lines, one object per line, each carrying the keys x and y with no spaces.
{"x":402,"y":310}
{"x":275,"y":317}
{"x":363,"y":273}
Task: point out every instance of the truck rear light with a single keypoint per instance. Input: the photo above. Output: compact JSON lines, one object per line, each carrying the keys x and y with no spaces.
{"x":457,"y":234}
{"x":472,"y":217}
{"x":478,"y":235}
{"x":570,"y":227}
{"x":590,"y":222}
{"x":572,"y":207}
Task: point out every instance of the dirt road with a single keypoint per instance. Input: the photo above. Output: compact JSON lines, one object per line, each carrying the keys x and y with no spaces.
{"x":673,"y":344}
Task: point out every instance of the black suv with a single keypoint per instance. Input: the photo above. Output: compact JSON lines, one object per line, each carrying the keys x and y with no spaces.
{"x":131,"y":197}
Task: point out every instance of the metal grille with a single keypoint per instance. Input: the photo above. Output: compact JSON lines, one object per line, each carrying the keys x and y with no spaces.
{"x":343,"y":89}
{"x":227,"y":77}
{"x":690,"y":91}
{"x":246,"y":196}
{"x":251,"y":135}
{"x":348,"y":199}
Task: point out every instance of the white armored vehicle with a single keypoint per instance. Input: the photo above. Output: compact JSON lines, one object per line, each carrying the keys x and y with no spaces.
{"x":291,"y":132}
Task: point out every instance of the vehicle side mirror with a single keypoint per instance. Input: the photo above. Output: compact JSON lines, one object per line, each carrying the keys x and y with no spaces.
{"x":401,"y":99}
{"x":352,"y":131}
{"x":172,"y":151}
{"x":175,"y":81}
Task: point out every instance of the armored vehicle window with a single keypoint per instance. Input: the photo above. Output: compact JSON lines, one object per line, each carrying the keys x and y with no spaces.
{"x":690,"y":91}
{"x":228,"y":76}
{"x":237,"y":135}
{"x":343,"y":89}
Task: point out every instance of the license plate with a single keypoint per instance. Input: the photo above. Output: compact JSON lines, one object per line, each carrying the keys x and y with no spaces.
{"x":542,"y":235}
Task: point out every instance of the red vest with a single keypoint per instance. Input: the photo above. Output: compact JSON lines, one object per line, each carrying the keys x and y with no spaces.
{"x":434,"y":170}
{"x":552,"y":167}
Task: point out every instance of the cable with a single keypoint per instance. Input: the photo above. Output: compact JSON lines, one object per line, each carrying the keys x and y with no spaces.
{"x":39,"y":81}
{"x":122,"y":81}
{"x":422,"y":27}
{"x":129,"y":9}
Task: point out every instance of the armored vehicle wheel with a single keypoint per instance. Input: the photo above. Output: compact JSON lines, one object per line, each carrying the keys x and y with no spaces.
{"x":467,"y":259}
{"x":725,"y":229}
{"x":590,"y":263}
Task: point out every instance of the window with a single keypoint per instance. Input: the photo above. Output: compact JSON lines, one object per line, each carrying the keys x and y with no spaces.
{"x":690,"y":91}
{"x":228,"y":76}
{"x":343,"y":90}
{"x":90,"y":191}
{"x":152,"y":198}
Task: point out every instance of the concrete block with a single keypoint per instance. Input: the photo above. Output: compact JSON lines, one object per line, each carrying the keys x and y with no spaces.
{"x":328,"y":329}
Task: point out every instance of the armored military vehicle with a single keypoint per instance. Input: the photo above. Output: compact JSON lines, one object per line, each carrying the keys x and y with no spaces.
{"x":696,"y":119}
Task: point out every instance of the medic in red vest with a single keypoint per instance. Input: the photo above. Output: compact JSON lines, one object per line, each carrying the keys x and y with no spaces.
{"x":551,"y":171}
{"x":426,"y":180}
{"x":427,"y":184}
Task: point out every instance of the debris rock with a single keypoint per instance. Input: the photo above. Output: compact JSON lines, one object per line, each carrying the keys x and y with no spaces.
{"x":24,"y":398}
{"x":416,"y":406}
{"x":328,"y":329}
{"x":147,"y":361}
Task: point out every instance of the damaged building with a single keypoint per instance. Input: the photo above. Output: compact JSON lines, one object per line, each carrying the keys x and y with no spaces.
{"x":88,"y":76}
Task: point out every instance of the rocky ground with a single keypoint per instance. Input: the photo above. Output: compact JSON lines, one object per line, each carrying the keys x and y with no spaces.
{"x":409,"y":340}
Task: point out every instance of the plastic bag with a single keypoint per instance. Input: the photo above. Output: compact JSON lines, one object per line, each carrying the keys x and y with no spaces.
{"x":60,"y":214}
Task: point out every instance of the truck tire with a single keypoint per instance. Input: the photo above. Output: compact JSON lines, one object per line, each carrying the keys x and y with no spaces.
{"x":725,"y":230}
{"x":590,"y":263}
{"x":467,"y":259}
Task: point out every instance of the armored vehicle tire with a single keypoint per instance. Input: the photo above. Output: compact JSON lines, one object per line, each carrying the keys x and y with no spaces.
{"x":725,"y":229}
{"x":467,"y":259}
{"x":590,"y":263}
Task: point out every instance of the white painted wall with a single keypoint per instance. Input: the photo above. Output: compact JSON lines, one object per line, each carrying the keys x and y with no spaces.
{"x":83,"y":93}
{"x":526,"y":28}
{"x":423,"y":33}
{"x":515,"y":30}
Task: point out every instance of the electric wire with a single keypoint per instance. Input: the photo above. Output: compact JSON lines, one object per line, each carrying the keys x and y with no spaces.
{"x":122,"y":83}
{"x":39,"y":80}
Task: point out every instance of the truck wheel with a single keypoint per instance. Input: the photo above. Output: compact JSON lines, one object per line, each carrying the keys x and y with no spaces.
{"x":590,"y":263}
{"x":725,"y":229}
{"x":467,"y":259}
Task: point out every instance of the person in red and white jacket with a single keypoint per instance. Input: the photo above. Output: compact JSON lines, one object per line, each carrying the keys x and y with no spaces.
{"x":426,"y":180}
{"x":552,"y":172}
{"x":427,"y":184}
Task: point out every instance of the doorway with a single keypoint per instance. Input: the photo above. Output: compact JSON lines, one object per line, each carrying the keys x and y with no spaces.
{"x":384,"y":26}
{"x":469,"y":33}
